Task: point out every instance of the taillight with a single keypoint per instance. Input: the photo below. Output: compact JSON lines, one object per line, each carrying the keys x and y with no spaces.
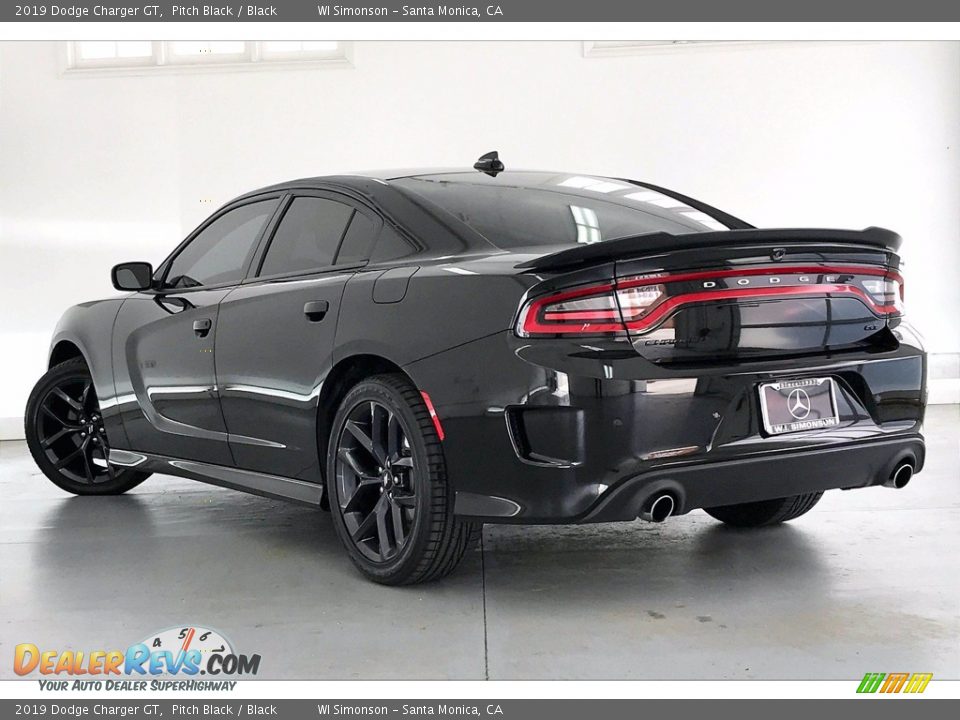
{"x":585,"y":311}
{"x":639,"y":304}
{"x":886,"y":291}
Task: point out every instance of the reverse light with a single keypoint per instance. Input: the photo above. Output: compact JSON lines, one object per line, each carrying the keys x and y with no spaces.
{"x":886,"y":291}
{"x":636,"y":301}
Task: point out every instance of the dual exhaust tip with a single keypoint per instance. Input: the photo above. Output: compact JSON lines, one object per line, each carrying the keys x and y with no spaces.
{"x":658,"y":508}
{"x":662,"y":506}
{"x":901,"y":475}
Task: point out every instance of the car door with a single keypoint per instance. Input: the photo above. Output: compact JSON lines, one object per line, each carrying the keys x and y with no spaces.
{"x":276,"y":331}
{"x":163,"y":339}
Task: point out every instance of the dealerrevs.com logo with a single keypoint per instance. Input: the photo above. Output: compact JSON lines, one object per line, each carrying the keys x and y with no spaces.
{"x":184,"y":651}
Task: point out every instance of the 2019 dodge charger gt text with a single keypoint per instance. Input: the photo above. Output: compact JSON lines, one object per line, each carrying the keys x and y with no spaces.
{"x":422,"y":352}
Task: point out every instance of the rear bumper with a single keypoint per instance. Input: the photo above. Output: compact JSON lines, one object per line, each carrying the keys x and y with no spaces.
{"x":750,"y":479}
{"x":536,"y":433}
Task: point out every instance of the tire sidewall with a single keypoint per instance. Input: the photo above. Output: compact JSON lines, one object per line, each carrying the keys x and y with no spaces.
{"x":407,"y":560}
{"x":124,"y":480}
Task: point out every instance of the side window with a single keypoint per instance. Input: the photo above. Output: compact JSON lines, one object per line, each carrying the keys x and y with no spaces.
{"x":390,"y":246}
{"x":219,"y":254}
{"x":308,"y":236}
{"x":357,"y":240}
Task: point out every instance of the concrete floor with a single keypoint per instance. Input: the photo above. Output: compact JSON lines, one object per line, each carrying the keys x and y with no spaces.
{"x":868,"y":581}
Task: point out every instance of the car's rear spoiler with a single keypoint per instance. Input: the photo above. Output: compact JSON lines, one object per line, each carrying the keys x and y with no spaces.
{"x":656,"y":242}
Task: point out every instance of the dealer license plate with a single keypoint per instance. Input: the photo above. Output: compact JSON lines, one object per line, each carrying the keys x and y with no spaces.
{"x":795,"y":405}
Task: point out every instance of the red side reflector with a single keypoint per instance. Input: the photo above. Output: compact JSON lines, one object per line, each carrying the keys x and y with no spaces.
{"x":433,"y":414}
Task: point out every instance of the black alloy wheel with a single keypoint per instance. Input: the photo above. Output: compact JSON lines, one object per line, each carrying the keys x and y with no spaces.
{"x":387,"y":481}
{"x":66,"y":435}
{"x":376,"y":481}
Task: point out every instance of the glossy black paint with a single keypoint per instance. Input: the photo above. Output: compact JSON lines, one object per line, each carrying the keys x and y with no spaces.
{"x":235,"y":384}
{"x":640,"y":409}
{"x":725,"y":240}
{"x":165,"y":376}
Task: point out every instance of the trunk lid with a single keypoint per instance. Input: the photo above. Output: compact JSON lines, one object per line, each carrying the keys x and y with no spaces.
{"x":739,"y":294}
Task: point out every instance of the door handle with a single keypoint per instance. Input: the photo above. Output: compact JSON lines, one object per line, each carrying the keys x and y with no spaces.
{"x":202,"y":327}
{"x":316,"y":310}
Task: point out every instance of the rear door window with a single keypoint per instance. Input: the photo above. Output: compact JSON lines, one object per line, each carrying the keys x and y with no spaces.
{"x":308,"y":236}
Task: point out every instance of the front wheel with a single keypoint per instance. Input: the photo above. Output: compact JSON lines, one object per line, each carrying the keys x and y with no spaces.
{"x":66,"y":436}
{"x":765,"y":512}
{"x":386,"y":475}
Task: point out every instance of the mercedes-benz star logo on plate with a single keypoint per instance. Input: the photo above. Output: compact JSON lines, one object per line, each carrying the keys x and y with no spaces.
{"x":798,"y":403}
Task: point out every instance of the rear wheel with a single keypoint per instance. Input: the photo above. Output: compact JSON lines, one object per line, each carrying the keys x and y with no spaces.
{"x":391,"y":504}
{"x":65,"y":433}
{"x":765,"y":512}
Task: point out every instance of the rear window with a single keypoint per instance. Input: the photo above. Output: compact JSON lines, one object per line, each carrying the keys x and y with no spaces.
{"x":550,"y":209}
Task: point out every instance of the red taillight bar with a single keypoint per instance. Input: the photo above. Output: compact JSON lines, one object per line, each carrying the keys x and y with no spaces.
{"x":660,"y":311}
{"x":600,"y":321}
{"x":587,"y":322}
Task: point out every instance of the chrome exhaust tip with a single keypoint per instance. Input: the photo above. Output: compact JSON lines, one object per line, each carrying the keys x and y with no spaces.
{"x":658,"y":509}
{"x":901,"y":475}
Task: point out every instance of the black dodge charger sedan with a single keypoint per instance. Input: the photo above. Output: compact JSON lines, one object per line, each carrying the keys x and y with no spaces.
{"x":421,"y":352}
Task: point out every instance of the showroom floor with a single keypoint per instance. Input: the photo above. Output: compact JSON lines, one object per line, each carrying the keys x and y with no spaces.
{"x":869,"y":581}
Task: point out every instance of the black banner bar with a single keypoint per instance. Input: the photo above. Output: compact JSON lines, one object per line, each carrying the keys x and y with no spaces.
{"x":484,"y":11}
{"x":322,"y":709}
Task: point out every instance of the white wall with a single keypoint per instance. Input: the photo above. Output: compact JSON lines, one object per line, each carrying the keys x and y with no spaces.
{"x":98,"y":170}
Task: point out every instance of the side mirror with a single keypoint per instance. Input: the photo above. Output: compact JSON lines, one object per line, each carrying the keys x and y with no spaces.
{"x":132,"y":276}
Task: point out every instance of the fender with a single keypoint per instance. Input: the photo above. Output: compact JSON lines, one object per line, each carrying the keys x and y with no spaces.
{"x":89,"y":327}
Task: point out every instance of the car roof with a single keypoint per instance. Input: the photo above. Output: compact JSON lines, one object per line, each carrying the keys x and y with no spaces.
{"x":464,"y":175}
{"x":375,"y":184}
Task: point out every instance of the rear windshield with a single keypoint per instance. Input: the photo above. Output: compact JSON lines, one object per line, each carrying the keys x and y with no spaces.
{"x":550,"y":209}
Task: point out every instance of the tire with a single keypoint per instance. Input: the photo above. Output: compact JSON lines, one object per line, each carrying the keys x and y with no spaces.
{"x":765,"y":512}
{"x":386,"y":469}
{"x":65,"y":434}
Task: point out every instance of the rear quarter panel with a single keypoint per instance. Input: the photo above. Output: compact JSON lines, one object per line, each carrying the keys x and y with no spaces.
{"x":445,"y":305}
